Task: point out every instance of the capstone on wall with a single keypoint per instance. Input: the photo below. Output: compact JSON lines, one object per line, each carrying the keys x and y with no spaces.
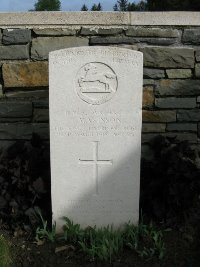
{"x":171,"y":94}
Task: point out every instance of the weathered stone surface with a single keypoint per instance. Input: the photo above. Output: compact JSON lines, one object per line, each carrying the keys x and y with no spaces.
{"x":48,"y":19}
{"x":198,"y":55}
{"x":16,"y":36}
{"x":113,"y":40}
{"x":28,"y":74}
{"x":159,"y":116}
{"x":63,"y":18}
{"x":188,"y":115}
{"x":41,"y":104}
{"x":42,"y":46}
{"x":153,"y":127}
{"x":14,"y":120}
{"x":0,"y":71}
{"x":198,"y":99}
{"x":153,"y":73}
{"x":11,"y":109}
{"x":0,"y":37}
{"x":42,"y":129}
{"x":85,"y":30}
{"x":23,"y":131}
{"x":179,"y":73}
{"x":148,"y":137}
{"x":36,"y":94}
{"x":178,"y":88}
{"x":14,"y":52}
{"x":177,"y":137}
{"x":191,"y":36}
{"x":130,"y":40}
{"x":148,"y":96}
{"x":149,"y":82}
{"x":11,"y":131}
{"x":57,"y":31}
{"x":127,"y":46}
{"x":41,"y":115}
{"x":152,"y":32}
{"x":173,"y":102}
{"x":197,"y":70}
{"x":168,"y":57}
{"x":175,"y":18}
{"x":98,"y":126}
{"x":182,"y":127}
{"x":1,"y":91}
{"x":0,"y":74}
{"x":157,"y":41}
{"x":190,"y":137}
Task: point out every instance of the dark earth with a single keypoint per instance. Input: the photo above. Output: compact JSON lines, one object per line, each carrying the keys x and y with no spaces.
{"x":182,"y":249}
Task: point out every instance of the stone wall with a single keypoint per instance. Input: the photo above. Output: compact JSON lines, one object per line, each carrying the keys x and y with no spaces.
{"x":171,"y":47}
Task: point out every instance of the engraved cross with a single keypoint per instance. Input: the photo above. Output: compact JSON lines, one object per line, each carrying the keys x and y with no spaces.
{"x":95,"y":162}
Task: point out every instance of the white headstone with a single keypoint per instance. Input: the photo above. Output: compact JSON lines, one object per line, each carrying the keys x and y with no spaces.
{"x":95,"y":135}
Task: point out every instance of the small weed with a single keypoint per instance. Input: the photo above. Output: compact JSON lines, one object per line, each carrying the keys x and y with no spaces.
{"x":102,"y":244}
{"x":43,"y":232}
{"x":146,"y":240}
{"x":72,"y":232}
{"x":96,"y":243}
{"x":5,"y":258}
{"x":106,"y":242}
{"x":131,"y":236}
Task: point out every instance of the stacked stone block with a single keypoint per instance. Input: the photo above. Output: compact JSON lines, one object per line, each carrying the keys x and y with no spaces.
{"x":171,"y":94}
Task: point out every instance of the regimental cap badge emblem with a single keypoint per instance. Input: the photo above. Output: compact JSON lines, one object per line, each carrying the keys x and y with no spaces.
{"x":96,"y":83}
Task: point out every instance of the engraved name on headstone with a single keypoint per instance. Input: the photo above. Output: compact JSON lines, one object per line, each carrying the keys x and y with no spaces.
{"x":95,"y":134}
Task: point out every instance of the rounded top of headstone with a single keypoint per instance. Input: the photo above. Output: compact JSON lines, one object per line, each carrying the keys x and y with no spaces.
{"x":89,"y":50}
{"x":97,"y":73}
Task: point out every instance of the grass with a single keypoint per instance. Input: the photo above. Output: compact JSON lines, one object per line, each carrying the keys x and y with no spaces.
{"x":106,"y":243}
{"x":97,"y":243}
{"x":103,"y":243}
{"x":43,"y":232}
{"x":5,"y":258}
{"x":146,"y":240}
